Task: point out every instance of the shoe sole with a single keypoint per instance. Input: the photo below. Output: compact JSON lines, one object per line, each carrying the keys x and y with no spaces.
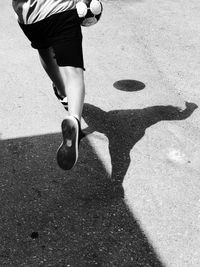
{"x":67,"y":153}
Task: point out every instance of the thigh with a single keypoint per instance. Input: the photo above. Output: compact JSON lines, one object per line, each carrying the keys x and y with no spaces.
{"x":69,"y":53}
{"x":68,"y":42}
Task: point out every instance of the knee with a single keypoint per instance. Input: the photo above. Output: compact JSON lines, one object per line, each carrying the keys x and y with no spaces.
{"x":73,"y":72}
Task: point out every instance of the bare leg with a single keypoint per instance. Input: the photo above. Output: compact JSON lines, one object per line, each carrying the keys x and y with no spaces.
{"x":67,"y":154}
{"x":52,"y":69}
{"x":68,"y":80}
{"x":75,"y":89}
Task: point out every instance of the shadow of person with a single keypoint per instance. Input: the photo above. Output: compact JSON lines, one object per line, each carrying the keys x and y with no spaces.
{"x":75,"y":218}
{"x":124,"y":128}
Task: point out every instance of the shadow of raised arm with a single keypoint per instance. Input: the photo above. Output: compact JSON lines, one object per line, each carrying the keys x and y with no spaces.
{"x":158,"y":113}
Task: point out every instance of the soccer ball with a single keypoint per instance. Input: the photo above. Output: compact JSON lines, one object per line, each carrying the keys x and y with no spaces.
{"x":89,"y":11}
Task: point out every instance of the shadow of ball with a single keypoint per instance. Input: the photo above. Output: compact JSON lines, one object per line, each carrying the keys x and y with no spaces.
{"x":129,"y":85}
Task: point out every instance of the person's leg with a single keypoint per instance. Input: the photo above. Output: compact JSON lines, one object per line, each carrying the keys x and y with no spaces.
{"x":68,"y":81}
{"x":75,"y":88}
{"x":67,"y":154}
{"x":49,"y":64}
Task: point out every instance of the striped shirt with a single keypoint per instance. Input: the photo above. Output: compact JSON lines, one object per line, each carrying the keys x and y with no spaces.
{"x":31,"y":11}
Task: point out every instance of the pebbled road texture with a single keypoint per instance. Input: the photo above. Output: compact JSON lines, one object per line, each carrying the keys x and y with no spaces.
{"x":133,"y":198}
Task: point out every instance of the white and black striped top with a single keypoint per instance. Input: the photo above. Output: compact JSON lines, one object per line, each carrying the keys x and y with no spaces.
{"x":31,"y":11}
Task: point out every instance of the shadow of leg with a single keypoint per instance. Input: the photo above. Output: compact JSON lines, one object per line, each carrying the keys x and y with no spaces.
{"x":120,"y":160}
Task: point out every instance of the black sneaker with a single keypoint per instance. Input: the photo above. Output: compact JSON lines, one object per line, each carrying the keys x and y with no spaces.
{"x":67,"y":154}
{"x":62,"y":99}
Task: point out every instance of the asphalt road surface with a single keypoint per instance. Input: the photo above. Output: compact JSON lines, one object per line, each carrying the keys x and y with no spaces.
{"x":133,"y":199}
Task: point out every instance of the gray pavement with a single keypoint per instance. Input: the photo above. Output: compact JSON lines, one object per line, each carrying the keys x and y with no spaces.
{"x":133,"y":199}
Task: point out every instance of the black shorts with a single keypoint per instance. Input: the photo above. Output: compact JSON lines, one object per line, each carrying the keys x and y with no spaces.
{"x":62,"y":32}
